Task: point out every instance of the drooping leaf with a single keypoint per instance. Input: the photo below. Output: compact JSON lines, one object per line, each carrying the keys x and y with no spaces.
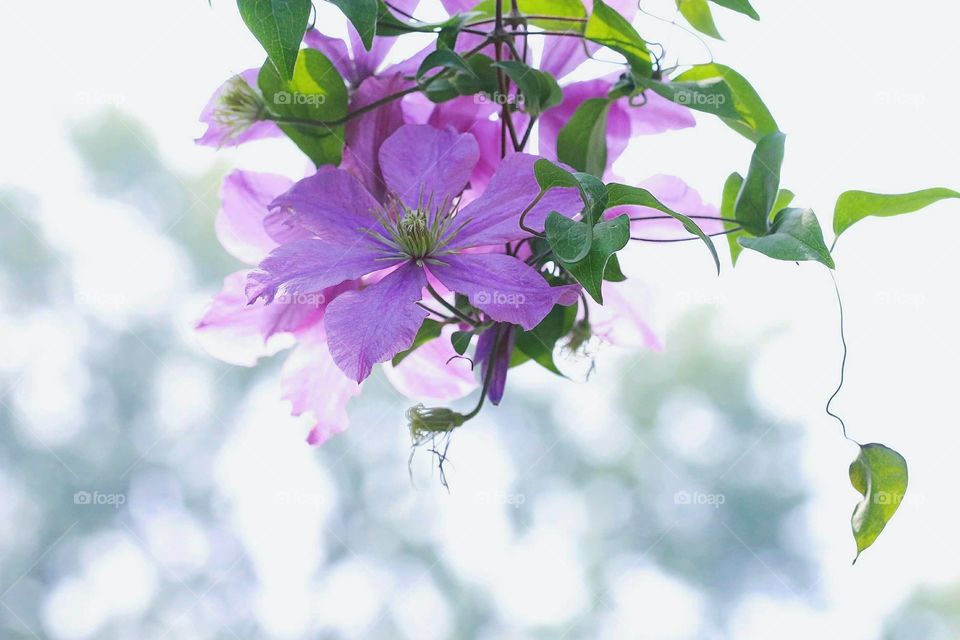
{"x":279,"y":26}
{"x":445,"y":58}
{"x":362,"y":14}
{"x":710,"y":95}
{"x":621,"y":195}
{"x":614,"y":273}
{"x":880,"y":475}
{"x":854,"y":206}
{"x":731,"y":189}
{"x":429,"y":330}
{"x":697,"y":13}
{"x":544,"y":10}
{"x":550,"y":176}
{"x":582,"y":143}
{"x":795,"y":236}
{"x":608,"y":238}
{"x":316,"y":92}
{"x":740,"y":6}
{"x":461,"y":341}
{"x":761,"y":186}
{"x":538,"y":343}
{"x":754,"y":119}
{"x":540,"y":90}
{"x":610,"y":29}
{"x":569,"y":239}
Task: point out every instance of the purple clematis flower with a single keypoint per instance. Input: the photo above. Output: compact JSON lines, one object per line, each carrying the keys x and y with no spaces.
{"x":416,"y":230}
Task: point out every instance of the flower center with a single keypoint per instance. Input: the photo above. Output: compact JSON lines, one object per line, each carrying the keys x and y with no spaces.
{"x":420,"y":233}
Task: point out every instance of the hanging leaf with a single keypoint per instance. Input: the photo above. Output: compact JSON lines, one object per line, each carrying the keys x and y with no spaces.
{"x":608,"y":238}
{"x":608,"y":28}
{"x":854,"y":206}
{"x":429,"y":330}
{"x":446,"y":59}
{"x":544,"y":10}
{"x":710,"y":95}
{"x":697,"y":13}
{"x":582,"y":143}
{"x":538,"y":344}
{"x":461,"y":341}
{"x":761,"y":186}
{"x":795,"y":236}
{"x":362,"y":14}
{"x":317,"y":93}
{"x":550,"y":176}
{"x":622,"y":195}
{"x":880,"y":475}
{"x":753,"y":119}
{"x":731,"y":189}
{"x":569,"y":239}
{"x":740,"y":6}
{"x":279,"y":26}
{"x":540,"y":90}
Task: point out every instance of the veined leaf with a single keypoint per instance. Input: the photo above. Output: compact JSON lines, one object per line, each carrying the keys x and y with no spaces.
{"x":315,"y":92}
{"x":569,"y":239}
{"x":608,"y":28}
{"x":582,"y":143}
{"x":363,"y":15}
{"x":731,"y":189}
{"x":761,"y":186}
{"x":754,"y":119}
{"x":279,"y":26}
{"x":854,"y":206}
{"x":621,"y":194}
{"x":740,"y":6}
{"x":880,"y":475}
{"x":710,"y":95}
{"x":697,"y":13}
{"x":608,"y":238}
{"x":540,"y":89}
{"x":794,"y":236}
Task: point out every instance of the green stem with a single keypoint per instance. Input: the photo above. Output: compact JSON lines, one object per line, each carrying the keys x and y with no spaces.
{"x":452,"y":309}
{"x":523,"y":216}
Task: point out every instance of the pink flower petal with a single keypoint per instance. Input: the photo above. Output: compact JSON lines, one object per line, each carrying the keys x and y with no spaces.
{"x":244,"y":199}
{"x":433,"y":373}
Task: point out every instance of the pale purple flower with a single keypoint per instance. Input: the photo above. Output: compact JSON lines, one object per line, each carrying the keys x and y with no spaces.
{"x":241,"y":333}
{"x":415,"y":230}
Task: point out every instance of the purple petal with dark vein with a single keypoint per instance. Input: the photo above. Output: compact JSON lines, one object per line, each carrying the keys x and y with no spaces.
{"x":420,"y":162}
{"x":501,"y":286}
{"x":296,"y":270}
{"x":376,"y":323}
{"x":500,"y":361}
{"x":332,"y":205}
{"x":494,"y":217}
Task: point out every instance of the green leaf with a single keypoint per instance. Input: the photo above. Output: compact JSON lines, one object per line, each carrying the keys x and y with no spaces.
{"x":569,"y":239}
{"x":880,"y":475}
{"x":854,"y":206}
{"x":608,"y":28}
{"x":540,"y":90}
{"x":538,"y":343}
{"x":363,"y":15}
{"x":279,"y":26}
{"x":710,"y":95}
{"x":608,"y":238}
{"x":429,"y":330}
{"x":731,"y":189}
{"x":544,"y":8}
{"x":550,"y":176}
{"x":582,"y":143}
{"x":753,"y":119}
{"x":461,"y":341}
{"x":697,"y":13}
{"x":316,"y":92}
{"x":784,"y":198}
{"x":740,"y":6}
{"x":760,"y":189}
{"x":447,"y":59}
{"x":621,"y":194}
{"x":614,"y":273}
{"x":794,"y":236}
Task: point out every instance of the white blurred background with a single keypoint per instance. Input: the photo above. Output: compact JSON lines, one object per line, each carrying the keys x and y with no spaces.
{"x":209,"y":517}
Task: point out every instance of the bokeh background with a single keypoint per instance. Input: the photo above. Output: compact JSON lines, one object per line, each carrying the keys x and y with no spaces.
{"x":149,"y":491}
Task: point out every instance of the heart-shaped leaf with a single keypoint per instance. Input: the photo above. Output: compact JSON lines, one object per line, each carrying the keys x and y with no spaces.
{"x":569,"y":239}
{"x":880,"y":475}
{"x":279,"y":26}
{"x":795,"y":236}
{"x":608,"y":238}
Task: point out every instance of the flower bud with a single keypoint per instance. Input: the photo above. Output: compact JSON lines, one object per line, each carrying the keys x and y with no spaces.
{"x":241,"y":106}
{"x":427,"y":421}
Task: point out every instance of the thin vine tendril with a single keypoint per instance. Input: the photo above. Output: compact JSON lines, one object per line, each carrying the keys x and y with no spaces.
{"x":843,"y":363}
